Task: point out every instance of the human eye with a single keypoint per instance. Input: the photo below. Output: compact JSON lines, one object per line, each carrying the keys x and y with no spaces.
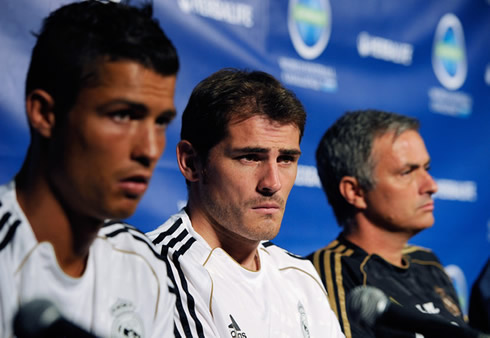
{"x":248,"y":158}
{"x":287,"y":159}
{"x":164,"y":120}
{"x":121,"y":115}
{"x":407,"y":171}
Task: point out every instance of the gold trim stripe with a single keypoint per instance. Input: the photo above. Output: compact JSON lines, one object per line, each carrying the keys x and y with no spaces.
{"x":340,"y":287}
{"x":361,"y":267}
{"x":413,"y":248}
{"x":436,"y":264}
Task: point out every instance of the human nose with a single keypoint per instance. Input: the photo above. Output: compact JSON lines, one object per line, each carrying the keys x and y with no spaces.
{"x":428,"y":184}
{"x":148,"y":145}
{"x":270,"y":181}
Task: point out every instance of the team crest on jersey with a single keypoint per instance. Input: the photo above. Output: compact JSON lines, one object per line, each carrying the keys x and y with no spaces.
{"x":304,"y":320}
{"x":448,"y":302}
{"x":235,"y":330}
{"x":127,"y":323}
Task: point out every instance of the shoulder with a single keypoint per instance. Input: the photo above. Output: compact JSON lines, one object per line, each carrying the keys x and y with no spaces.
{"x":421,"y":255}
{"x":8,"y":200}
{"x":175,"y":237}
{"x":11,"y":219}
{"x":280,"y":253}
{"x":171,"y":228}
{"x":123,"y":236}
{"x":179,"y":245}
{"x":339,"y":251}
{"x":285,"y":260}
{"x":122,"y":247}
{"x":424,"y":261}
{"x":291,"y":268}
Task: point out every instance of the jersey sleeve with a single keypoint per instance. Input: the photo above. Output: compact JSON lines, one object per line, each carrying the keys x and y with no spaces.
{"x":191,"y":312}
{"x":164,"y":320}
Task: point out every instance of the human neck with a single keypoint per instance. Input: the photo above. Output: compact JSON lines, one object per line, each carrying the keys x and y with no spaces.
{"x":70,"y":235}
{"x":376,"y":240}
{"x":242,"y":250}
{"x":249,"y":259}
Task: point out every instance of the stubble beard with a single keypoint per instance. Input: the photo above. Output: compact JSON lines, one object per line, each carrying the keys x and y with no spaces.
{"x":240,"y":221}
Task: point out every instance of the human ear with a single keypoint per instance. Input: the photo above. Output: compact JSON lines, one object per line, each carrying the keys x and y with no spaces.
{"x":352,"y":192}
{"x":39,"y":109}
{"x":188,"y":161}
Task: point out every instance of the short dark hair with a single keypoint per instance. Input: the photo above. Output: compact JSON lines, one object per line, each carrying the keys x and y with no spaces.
{"x":78,"y":36}
{"x":230,"y":94}
{"x":346,"y":150}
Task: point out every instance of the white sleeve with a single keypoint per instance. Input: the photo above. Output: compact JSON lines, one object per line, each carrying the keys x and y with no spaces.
{"x":192,"y":314}
{"x":163,"y":325}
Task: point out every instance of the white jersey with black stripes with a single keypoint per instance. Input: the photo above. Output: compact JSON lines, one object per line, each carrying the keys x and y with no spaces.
{"x":217,"y":297}
{"x":123,"y":292}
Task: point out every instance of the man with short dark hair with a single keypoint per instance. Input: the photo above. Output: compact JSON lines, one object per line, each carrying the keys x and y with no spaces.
{"x":238,"y":152}
{"x":99,"y":96}
{"x":374,"y":168}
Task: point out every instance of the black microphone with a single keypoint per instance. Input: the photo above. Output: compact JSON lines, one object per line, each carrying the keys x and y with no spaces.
{"x":40,"y":318}
{"x":369,"y":306}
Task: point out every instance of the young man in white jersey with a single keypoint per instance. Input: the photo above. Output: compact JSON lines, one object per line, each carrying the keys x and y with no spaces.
{"x":239,"y":149}
{"x":99,"y":95}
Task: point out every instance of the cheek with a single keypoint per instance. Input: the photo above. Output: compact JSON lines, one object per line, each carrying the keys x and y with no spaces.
{"x":289,"y":178}
{"x":89,"y":146}
{"x":108,"y":148}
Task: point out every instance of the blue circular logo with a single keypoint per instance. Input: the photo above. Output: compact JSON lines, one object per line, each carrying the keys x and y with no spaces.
{"x":309,"y":25}
{"x":449,"y":53}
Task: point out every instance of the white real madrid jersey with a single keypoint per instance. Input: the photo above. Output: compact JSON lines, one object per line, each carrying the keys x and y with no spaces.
{"x":217,"y":297}
{"x":124,"y":291}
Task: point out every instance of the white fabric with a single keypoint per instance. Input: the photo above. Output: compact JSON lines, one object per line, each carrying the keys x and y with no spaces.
{"x":285,"y":298}
{"x":123,"y":288}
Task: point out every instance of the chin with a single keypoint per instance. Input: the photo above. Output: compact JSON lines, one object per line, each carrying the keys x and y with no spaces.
{"x":271,"y":233}
{"x":422,"y":227}
{"x":122,"y":212}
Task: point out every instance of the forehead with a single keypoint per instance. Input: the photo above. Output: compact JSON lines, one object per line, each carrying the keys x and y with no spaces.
{"x":260,"y":131}
{"x":406,"y":148}
{"x":129,"y":76}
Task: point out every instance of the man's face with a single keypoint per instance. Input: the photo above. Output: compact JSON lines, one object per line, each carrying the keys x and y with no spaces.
{"x":401,"y":199}
{"x":248,"y":177}
{"x":104,"y":152}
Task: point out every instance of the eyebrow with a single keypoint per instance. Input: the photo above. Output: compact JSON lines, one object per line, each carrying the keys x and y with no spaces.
{"x":168,"y":114}
{"x":416,"y":165}
{"x":259,"y":150}
{"x":133,"y":105}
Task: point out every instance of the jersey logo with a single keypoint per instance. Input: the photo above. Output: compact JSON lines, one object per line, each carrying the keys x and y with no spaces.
{"x":448,"y":302}
{"x":127,"y":323}
{"x":428,"y":308}
{"x":304,"y":320}
{"x":235,"y":330}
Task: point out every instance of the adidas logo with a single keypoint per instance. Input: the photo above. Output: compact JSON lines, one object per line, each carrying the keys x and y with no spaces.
{"x":235,"y":330}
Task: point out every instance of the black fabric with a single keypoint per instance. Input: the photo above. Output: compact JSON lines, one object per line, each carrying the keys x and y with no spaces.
{"x":343,"y":266}
{"x":479,"y":310}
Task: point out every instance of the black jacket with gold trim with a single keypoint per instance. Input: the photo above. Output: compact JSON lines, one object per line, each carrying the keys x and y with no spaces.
{"x":421,"y":285}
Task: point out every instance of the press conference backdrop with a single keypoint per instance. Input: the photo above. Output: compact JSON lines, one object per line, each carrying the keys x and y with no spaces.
{"x":425,"y":58}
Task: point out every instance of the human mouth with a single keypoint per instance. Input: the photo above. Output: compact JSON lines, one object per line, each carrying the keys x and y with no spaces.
{"x":134,"y":186}
{"x":429,"y":206}
{"x":267,"y":208}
